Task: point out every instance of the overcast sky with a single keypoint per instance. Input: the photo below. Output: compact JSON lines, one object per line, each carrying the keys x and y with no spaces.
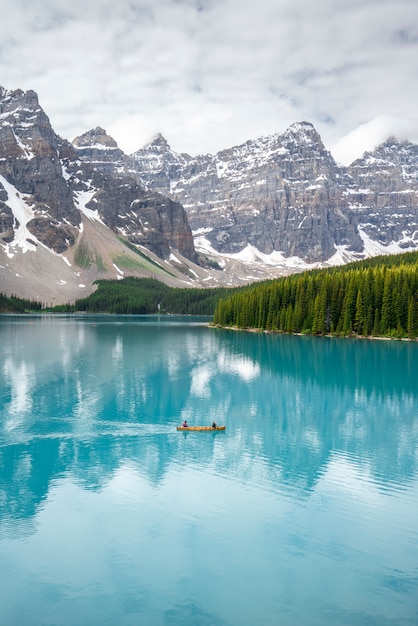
{"x":210,"y":74}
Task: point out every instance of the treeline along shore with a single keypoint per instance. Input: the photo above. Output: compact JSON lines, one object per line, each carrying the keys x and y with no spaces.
{"x":377,"y":297}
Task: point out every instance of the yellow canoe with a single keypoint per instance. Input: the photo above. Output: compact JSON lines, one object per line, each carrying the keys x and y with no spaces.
{"x":200,"y":428}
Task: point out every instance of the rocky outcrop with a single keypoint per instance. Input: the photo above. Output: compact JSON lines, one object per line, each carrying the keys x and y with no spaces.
{"x":6,"y":218}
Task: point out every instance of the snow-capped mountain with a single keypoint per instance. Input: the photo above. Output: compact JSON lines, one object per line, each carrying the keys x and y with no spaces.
{"x":59,"y":212}
{"x":72,"y":213}
{"x":284,"y":196}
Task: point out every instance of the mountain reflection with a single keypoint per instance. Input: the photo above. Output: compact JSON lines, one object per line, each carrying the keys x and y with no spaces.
{"x":82,"y":397}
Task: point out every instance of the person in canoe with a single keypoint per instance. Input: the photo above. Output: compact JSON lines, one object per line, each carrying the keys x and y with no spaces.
{"x":214,"y":424}
{"x":185,"y":424}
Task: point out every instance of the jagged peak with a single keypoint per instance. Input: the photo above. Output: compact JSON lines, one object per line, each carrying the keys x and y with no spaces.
{"x":302,"y":126}
{"x":27,"y":99}
{"x":302,"y":131}
{"x":10,"y":93}
{"x":390,"y":151}
{"x":95,"y":137}
{"x":393,"y":142}
{"x":158,"y":141}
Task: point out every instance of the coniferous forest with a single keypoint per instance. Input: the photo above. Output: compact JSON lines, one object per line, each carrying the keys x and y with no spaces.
{"x":13,"y":304}
{"x":144,"y":296}
{"x":377,"y":297}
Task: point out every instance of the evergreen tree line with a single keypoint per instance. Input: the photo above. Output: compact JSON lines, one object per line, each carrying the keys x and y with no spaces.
{"x":149,"y":296}
{"x":378,"y":297}
{"x":13,"y":304}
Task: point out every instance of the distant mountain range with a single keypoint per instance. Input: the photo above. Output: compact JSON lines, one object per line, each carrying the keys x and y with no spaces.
{"x":74,"y":212}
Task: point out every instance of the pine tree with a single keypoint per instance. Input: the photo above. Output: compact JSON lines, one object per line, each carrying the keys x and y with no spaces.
{"x":359,"y":315}
{"x":412,"y":319}
{"x":387,"y":315}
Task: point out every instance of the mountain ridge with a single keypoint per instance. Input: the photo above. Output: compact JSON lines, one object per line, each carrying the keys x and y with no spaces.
{"x":260,"y":187}
{"x":267,"y":207}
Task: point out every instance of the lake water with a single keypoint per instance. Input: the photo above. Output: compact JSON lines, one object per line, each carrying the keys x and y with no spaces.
{"x":304,"y":512}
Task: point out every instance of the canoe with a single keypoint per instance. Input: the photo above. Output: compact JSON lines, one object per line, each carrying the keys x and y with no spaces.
{"x":200,"y":428}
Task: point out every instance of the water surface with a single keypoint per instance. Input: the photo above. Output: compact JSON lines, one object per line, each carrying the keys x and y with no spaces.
{"x":304,"y":511}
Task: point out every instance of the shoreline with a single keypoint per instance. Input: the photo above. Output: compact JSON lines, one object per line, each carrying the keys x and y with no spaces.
{"x":320,"y":336}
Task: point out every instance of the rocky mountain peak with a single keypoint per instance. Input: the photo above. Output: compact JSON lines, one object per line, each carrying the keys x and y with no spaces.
{"x":394,"y":150}
{"x":19,"y":108}
{"x":156,"y":163}
{"x":25,"y":129}
{"x":100,"y":150}
{"x":48,"y":186}
{"x":302,"y":131}
{"x":391,"y":157}
{"x":302,"y":137}
{"x":277,"y":197}
{"x":285,"y":193}
{"x":36,"y":197}
{"x":158,"y":142}
{"x":96,"y":137}
{"x":11,"y":99}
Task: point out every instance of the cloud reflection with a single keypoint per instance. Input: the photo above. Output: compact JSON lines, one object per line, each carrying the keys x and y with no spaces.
{"x":201,"y":377}
{"x":240,"y":365}
{"x":20,"y":379}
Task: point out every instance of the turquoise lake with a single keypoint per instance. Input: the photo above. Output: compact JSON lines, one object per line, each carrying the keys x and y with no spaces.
{"x":304,"y":512}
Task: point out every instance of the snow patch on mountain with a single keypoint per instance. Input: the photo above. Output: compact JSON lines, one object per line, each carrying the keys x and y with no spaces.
{"x":81,"y":199}
{"x":22,"y":214}
{"x":251,"y":256}
{"x":375,"y":248}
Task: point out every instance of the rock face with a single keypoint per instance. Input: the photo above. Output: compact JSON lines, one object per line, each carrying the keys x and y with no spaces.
{"x":142,"y":217}
{"x":286,"y":193}
{"x":57,"y":182}
{"x":383,"y":193}
{"x":30,"y":160}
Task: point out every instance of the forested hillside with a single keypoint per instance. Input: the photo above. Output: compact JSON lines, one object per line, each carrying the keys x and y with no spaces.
{"x":377,"y":297}
{"x":147,"y":296}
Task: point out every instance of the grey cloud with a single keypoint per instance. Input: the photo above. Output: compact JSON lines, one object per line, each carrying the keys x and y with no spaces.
{"x":209,"y":74}
{"x":406,"y":37}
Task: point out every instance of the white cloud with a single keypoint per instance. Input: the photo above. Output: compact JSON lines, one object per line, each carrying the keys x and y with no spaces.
{"x":368,"y":136}
{"x":212,"y":73}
